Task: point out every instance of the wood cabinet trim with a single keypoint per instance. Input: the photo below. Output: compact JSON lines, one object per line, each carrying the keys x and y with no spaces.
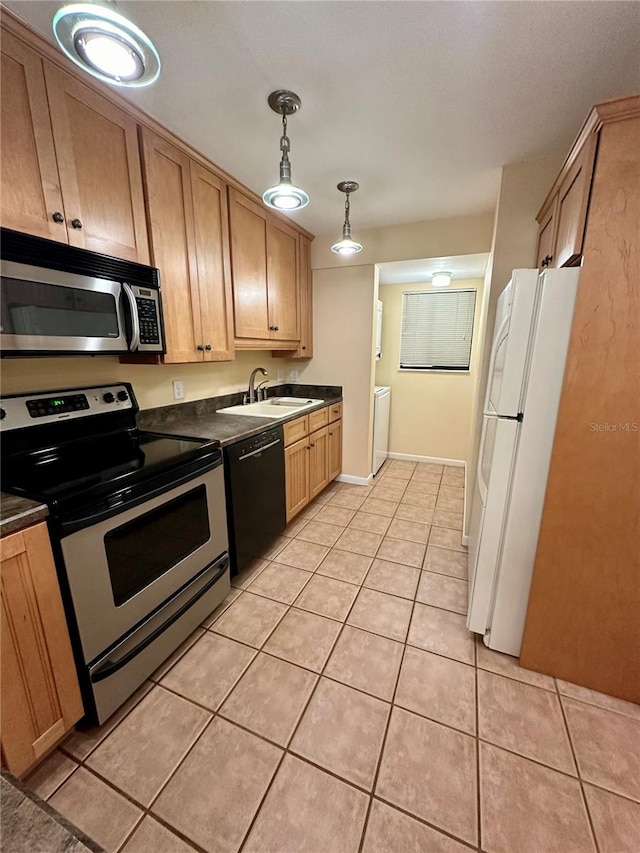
{"x":296,"y":429}
{"x":32,"y":38}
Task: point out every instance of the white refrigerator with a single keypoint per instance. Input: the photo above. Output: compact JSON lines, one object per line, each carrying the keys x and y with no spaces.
{"x":533,"y":325}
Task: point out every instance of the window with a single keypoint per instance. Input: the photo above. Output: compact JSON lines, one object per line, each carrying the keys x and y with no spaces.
{"x":437,"y":329}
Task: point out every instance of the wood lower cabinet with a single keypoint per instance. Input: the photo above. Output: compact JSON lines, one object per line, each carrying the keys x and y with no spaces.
{"x":296,"y":460}
{"x":188,"y":223}
{"x":264,"y":267}
{"x":313,"y":457}
{"x":335,"y":449}
{"x":40,"y":694}
{"x":318,"y":462}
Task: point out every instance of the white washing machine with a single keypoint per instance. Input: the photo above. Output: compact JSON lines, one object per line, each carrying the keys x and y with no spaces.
{"x":381,"y":410}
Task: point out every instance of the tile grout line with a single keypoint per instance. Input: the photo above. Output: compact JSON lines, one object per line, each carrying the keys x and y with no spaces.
{"x":575,"y":760}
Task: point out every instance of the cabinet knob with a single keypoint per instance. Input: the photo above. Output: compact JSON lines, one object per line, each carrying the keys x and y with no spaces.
{"x":76,"y":223}
{"x":276,"y":328}
{"x":303,"y":347}
{"x":200,"y":348}
{"x":330,"y":433}
{"x":546,"y":261}
{"x":312,"y":444}
{"x":208,"y":347}
{"x":308,"y":447}
{"x":57,"y":217}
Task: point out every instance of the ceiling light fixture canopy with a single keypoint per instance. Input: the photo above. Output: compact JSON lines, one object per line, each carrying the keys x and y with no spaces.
{"x":441,"y":279}
{"x":347,"y":246}
{"x":285,"y":195}
{"x":106,"y":45}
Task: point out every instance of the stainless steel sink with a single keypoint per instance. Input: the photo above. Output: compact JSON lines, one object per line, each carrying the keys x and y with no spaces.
{"x":274,"y":407}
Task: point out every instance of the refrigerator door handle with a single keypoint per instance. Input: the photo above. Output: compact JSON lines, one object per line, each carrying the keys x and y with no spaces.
{"x":482,"y":486}
{"x":500,"y":334}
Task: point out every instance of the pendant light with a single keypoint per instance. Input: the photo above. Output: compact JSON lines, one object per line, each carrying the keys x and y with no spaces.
{"x":106,"y":45}
{"x":285,"y":196}
{"x":441,"y":279}
{"x":347,"y":246}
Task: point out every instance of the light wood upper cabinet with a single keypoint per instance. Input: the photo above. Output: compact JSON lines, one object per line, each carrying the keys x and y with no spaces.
{"x":265,"y":271}
{"x":213,"y":266}
{"x":248,"y":223}
{"x":188,"y":221}
{"x":563,"y":216}
{"x":30,"y":185}
{"x":99,"y":165}
{"x":282,"y":281}
{"x":40,"y":694}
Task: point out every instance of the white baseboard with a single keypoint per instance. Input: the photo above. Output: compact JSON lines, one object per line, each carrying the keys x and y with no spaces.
{"x":355,"y":481}
{"x":410,"y":457}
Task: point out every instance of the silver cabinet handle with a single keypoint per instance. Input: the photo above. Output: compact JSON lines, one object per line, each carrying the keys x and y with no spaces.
{"x":135,"y":335}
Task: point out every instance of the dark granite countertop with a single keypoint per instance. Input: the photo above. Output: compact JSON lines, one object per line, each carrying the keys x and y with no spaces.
{"x":16,"y":513}
{"x":200,"y":418}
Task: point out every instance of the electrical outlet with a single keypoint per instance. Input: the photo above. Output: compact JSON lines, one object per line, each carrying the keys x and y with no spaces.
{"x":281,"y":376}
{"x":293,"y":375}
{"x":178,"y":389}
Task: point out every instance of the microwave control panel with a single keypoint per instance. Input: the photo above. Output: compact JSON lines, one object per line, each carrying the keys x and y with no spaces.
{"x":148,"y":319}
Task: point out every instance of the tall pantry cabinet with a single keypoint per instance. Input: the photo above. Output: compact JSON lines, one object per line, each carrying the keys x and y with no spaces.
{"x":583,"y":619}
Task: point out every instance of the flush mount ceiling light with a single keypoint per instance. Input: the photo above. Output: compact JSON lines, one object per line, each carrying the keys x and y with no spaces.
{"x":441,"y":279}
{"x":285,"y":196}
{"x":347,"y":246}
{"x":106,"y":45}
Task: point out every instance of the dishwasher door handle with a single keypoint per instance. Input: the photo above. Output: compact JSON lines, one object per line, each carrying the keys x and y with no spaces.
{"x":260,"y":450}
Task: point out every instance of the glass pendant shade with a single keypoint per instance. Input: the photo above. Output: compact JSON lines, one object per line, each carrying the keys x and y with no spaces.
{"x":347,"y":245}
{"x":106,"y":45}
{"x":285,"y":195}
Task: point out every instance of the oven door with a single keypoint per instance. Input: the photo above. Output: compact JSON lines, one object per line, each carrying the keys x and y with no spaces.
{"x":43,"y":310}
{"x":121,"y":569}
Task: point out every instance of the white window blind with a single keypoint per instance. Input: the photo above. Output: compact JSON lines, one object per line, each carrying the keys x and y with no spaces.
{"x":437,"y":328}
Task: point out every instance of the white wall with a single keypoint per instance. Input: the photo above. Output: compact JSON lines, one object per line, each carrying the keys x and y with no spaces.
{"x":345,"y":291}
{"x":430,"y":412}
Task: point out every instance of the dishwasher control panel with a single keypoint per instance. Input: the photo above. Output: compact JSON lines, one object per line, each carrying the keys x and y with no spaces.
{"x":260,"y":442}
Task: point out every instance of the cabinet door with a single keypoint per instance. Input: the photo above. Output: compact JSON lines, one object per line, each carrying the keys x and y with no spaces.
{"x":573,"y":200}
{"x":248,"y":224}
{"x":335,"y":449}
{"x":318,"y":461}
{"x":305,"y":347}
{"x":99,"y":164}
{"x":296,"y":460}
{"x":282,"y":276}
{"x":212,"y":261}
{"x":168,"y":184}
{"x":40,"y":694}
{"x":29,"y":176}
{"x":546,"y":237}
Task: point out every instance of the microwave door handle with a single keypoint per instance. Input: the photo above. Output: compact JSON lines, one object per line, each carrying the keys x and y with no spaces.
{"x":134,"y":344}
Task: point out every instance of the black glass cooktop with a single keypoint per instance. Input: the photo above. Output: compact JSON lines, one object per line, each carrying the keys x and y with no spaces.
{"x":98,"y":463}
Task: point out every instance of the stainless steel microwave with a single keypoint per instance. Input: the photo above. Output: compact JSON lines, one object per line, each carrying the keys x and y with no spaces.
{"x":59,"y":300}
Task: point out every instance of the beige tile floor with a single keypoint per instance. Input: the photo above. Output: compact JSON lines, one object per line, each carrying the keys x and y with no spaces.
{"x":335,"y":703}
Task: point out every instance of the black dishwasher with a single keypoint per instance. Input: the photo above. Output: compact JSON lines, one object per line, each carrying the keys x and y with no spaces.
{"x":256,"y":511}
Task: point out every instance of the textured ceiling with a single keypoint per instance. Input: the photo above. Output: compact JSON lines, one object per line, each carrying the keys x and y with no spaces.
{"x":421,"y":102}
{"x":415,"y":272}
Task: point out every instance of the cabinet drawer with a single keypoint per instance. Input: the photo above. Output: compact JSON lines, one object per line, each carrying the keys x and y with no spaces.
{"x":335,"y":412}
{"x":295,"y":430}
{"x":318,"y":419}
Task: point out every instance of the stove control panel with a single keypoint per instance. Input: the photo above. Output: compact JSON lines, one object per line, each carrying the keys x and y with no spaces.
{"x":53,"y":406}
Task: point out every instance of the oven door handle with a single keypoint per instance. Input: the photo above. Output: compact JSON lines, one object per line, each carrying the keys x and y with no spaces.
{"x":110,"y":666}
{"x":135,"y":322}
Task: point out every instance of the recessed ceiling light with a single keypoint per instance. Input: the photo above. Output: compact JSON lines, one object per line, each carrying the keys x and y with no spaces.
{"x":106,"y":45}
{"x":441,"y":279}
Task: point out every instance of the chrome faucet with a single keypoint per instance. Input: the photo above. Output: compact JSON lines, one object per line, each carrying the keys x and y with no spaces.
{"x":250,"y":397}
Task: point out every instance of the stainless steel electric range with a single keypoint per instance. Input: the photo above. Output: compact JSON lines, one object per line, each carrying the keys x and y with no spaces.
{"x":137,"y":523}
